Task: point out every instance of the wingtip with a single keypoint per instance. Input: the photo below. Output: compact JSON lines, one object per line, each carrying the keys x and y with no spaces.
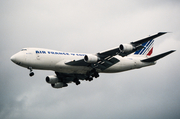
{"x":163,"y":33}
{"x":173,"y":50}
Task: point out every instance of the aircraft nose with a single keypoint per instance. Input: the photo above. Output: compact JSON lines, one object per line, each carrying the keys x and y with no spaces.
{"x":18,"y":58}
{"x":13,"y":58}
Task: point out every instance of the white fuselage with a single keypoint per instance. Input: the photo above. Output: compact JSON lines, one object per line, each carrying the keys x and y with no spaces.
{"x":45,"y":59}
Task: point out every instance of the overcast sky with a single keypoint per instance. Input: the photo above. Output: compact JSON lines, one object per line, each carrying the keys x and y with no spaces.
{"x":90,"y":26}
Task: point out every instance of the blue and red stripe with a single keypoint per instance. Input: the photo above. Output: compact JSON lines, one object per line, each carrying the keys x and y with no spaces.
{"x":148,"y":47}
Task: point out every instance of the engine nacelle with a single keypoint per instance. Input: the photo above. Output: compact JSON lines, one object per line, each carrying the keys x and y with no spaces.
{"x":59,"y":85}
{"x":126,"y":48}
{"x":91,"y":58}
{"x":52,"y":79}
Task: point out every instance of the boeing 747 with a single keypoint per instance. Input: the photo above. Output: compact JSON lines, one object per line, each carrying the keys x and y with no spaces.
{"x":73,"y":67}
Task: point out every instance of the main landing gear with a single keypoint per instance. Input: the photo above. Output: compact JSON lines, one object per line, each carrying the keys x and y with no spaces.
{"x":91,"y":74}
{"x":31,"y":72}
{"x":76,"y":81}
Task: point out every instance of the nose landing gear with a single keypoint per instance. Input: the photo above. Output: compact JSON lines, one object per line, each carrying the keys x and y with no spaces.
{"x":31,"y":72}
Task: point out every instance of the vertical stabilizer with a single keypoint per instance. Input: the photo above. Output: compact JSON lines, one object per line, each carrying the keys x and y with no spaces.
{"x":147,"y":50}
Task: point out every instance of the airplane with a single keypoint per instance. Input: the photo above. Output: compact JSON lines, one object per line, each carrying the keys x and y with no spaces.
{"x":72,"y":67}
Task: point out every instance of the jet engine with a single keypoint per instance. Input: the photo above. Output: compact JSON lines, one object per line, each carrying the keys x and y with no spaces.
{"x":59,"y":85}
{"x":124,"y":48}
{"x":91,"y":58}
{"x":52,"y":79}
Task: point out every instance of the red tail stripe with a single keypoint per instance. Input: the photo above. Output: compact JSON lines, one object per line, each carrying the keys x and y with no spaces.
{"x":150,"y":52}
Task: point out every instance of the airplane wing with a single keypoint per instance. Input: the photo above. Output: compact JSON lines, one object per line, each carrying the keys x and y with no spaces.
{"x":70,"y":77}
{"x":136,"y":43}
{"x":106,"y":58}
{"x":80,"y":62}
{"x":137,"y":46}
{"x":67,"y":78}
{"x":101,"y":64}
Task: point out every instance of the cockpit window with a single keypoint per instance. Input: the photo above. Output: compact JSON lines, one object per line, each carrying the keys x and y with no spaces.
{"x":24,"y":50}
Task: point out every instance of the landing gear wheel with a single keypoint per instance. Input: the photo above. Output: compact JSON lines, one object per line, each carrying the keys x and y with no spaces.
{"x":31,"y":74}
{"x":65,"y":85}
{"x":96,"y":74}
{"x":90,"y":79}
{"x":77,"y":82}
{"x":93,"y":73}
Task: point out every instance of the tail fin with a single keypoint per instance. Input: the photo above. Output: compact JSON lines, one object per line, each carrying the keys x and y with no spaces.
{"x":147,"y":50}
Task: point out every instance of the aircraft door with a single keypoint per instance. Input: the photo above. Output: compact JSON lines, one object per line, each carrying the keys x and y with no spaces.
{"x":38,"y":57}
{"x":135,"y":63}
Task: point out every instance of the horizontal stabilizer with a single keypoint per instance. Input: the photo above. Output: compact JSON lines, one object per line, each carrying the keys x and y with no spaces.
{"x":157,"y":57}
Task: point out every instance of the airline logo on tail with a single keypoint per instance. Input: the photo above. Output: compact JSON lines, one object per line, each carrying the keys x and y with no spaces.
{"x":147,"y":50}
